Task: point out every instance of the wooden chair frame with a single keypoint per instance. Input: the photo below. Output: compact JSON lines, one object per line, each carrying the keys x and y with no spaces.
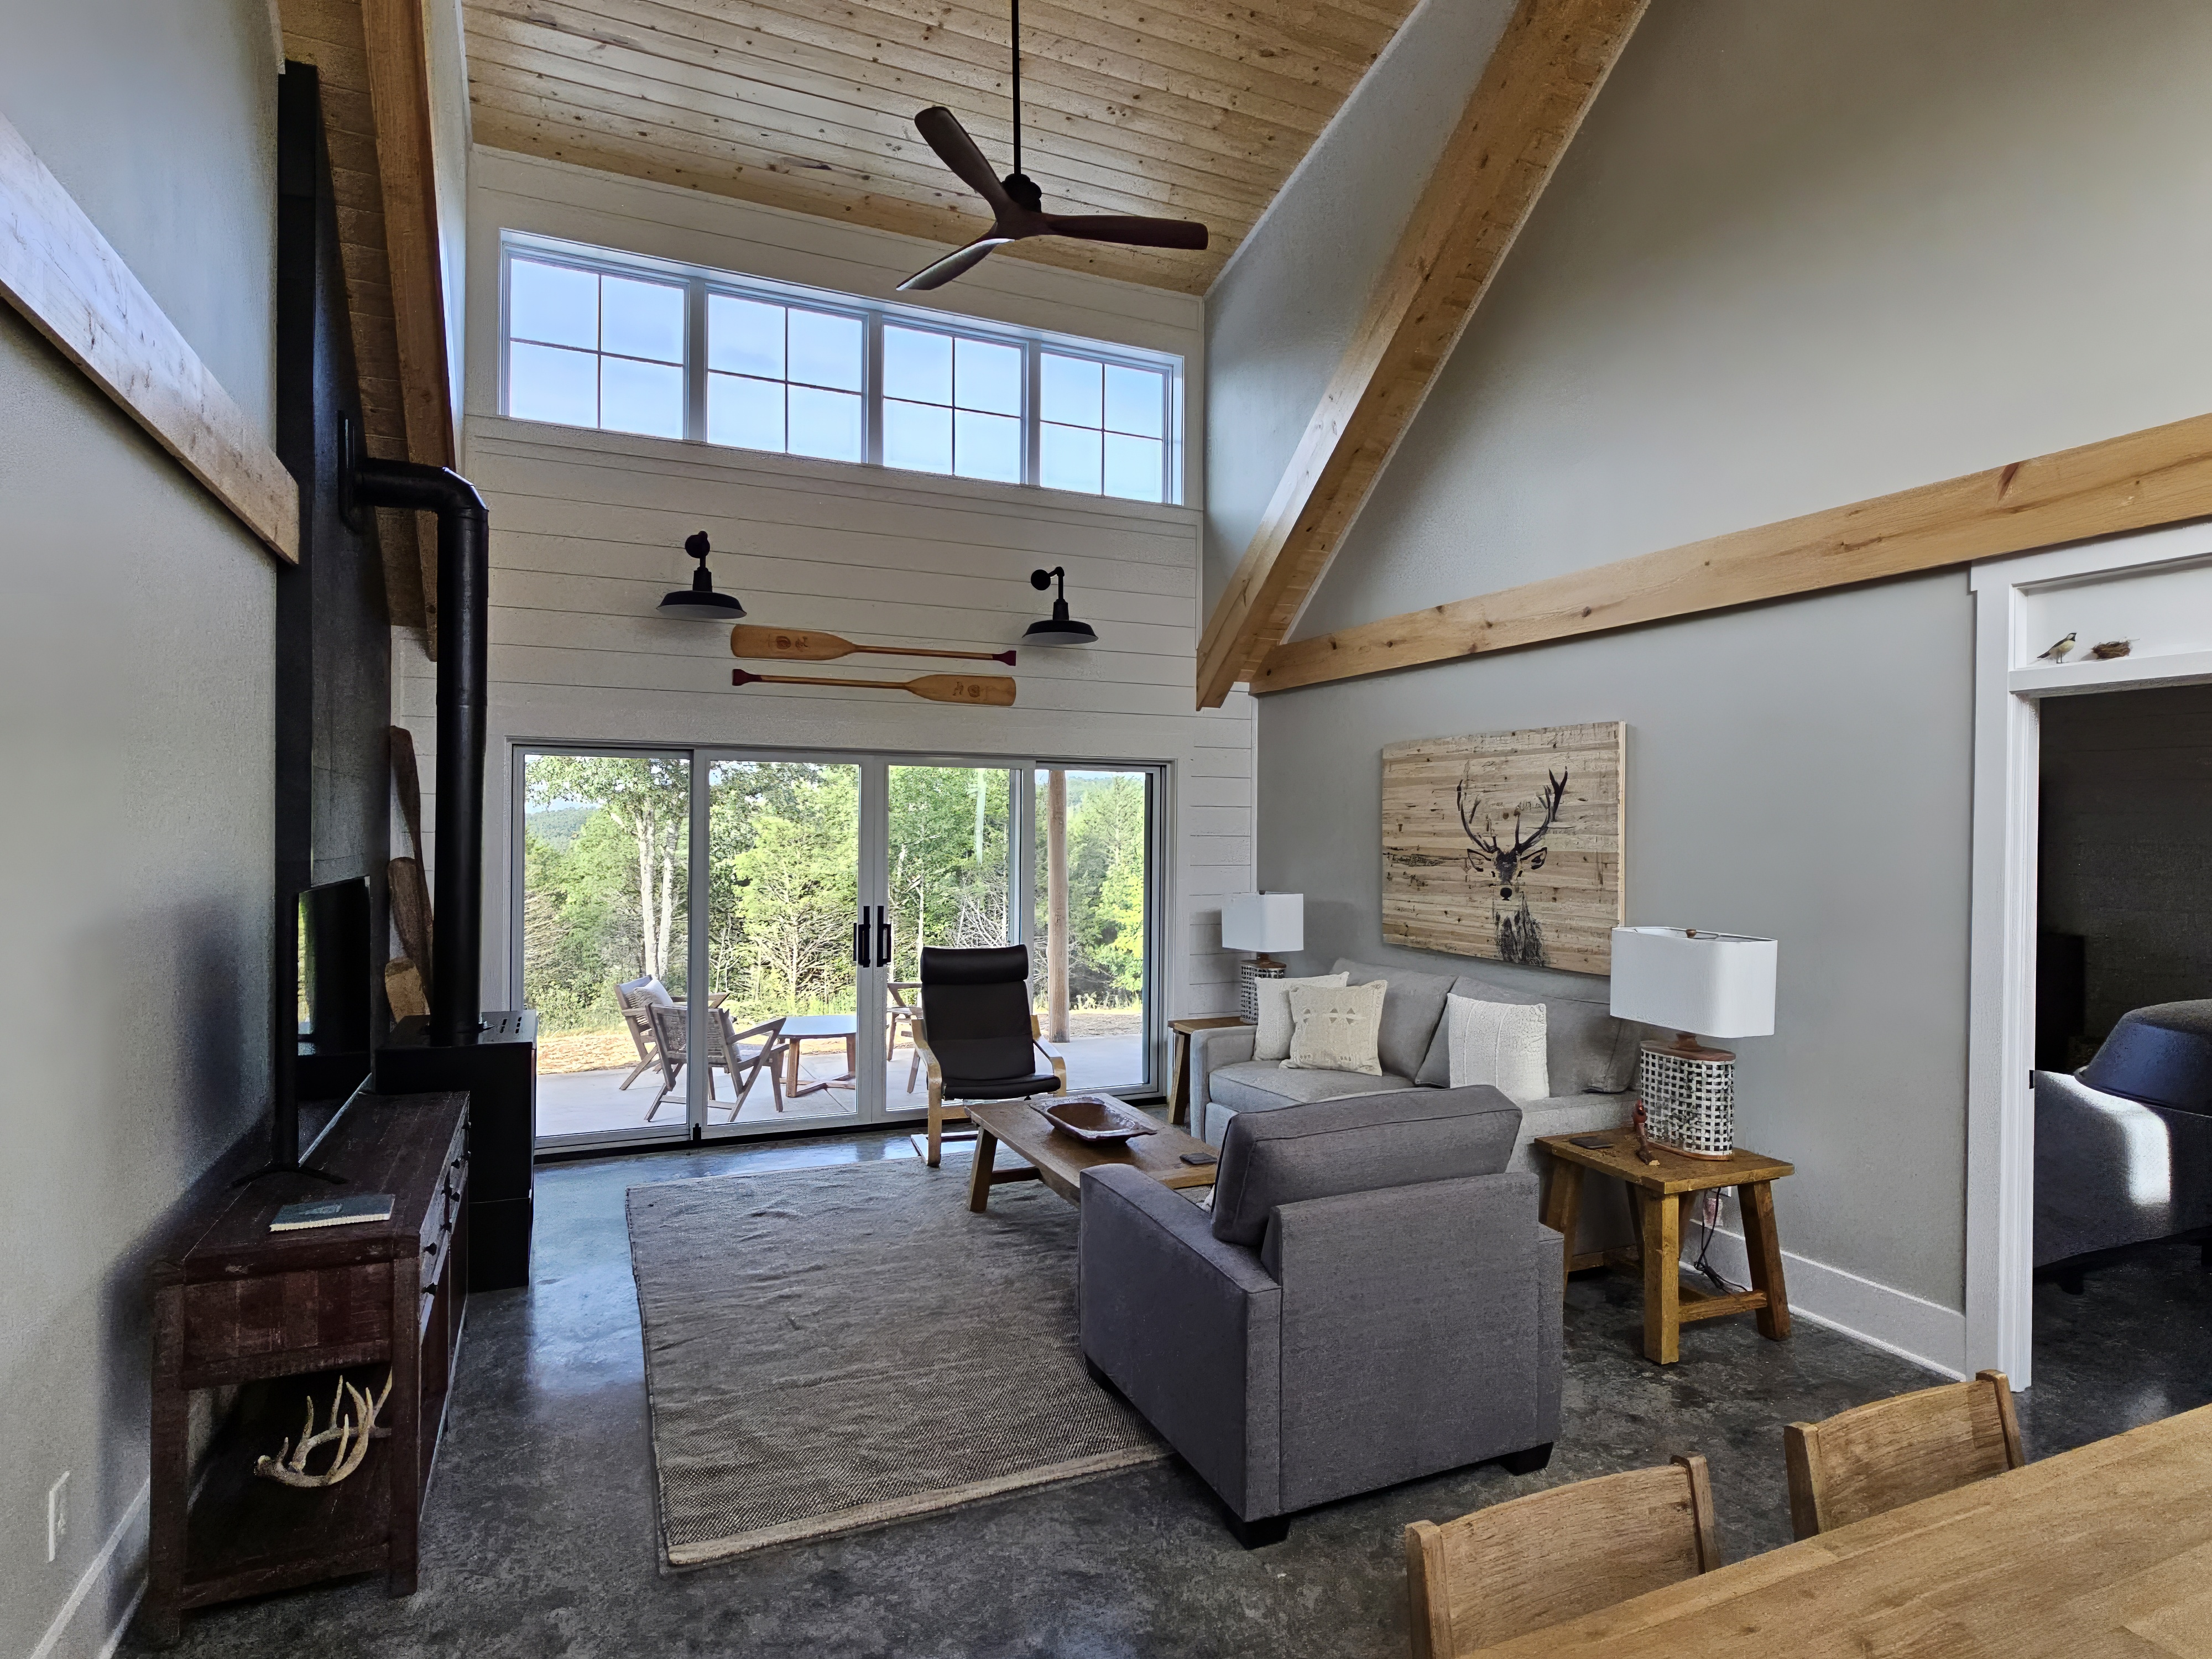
{"x":1922,"y":1443}
{"x":1500,"y":1573}
{"x":638,"y":1016}
{"x":939,"y":1113}
{"x":725,"y":1048}
{"x":901,"y":1012}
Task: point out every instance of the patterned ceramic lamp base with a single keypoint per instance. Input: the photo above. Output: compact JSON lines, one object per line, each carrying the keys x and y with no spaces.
{"x":1247,"y":998}
{"x":1689,"y":1099}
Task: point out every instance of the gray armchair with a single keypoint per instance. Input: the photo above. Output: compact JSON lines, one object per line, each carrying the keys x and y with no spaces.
{"x":1372,"y":1299}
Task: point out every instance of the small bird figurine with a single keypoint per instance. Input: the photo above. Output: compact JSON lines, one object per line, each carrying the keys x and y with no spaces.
{"x":2111,"y":648}
{"x":2057,"y":652}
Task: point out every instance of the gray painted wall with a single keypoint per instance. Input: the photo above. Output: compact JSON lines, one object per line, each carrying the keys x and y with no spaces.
{"x":2125,"y":843}
{"x":135,"y":719}
{"x":1281,"y":313}
{"x":1801,"y":254}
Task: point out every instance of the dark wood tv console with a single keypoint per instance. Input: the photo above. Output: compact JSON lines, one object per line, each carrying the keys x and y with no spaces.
{"x":277,"y":1317}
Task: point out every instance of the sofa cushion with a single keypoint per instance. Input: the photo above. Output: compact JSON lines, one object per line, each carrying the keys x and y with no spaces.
{"x":1355,"y":1145}
{"x":1500,"y":1043}
{"x":1413,"y":1009}
{"x":1260,"y":1085}
{"x":1271,"y":1038}
{"x":1587,"y":1050}
{"x":1334,"y":1027}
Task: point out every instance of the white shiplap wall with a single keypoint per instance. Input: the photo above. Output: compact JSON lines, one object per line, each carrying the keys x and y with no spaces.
{"x":587,"y":533}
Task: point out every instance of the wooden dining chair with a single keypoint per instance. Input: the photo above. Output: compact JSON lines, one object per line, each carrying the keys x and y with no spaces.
{"x":1518,"y":1567}
{"x":1878,"y":1456}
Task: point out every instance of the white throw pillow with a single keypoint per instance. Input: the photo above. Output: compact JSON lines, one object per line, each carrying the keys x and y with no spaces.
{"x":1500,"y":1043}
{"x":1271,"y":1041}
{"x":1336,"y":1027}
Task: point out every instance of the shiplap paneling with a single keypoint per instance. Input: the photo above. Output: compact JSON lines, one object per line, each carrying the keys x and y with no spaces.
{"x":587,"y":533}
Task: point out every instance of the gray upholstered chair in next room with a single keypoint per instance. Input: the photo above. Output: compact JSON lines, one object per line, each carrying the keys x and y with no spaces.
{"x":1371,"y":1299}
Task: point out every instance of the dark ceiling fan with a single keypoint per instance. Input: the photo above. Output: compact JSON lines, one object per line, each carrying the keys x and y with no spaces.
{"x":1017,"y":205}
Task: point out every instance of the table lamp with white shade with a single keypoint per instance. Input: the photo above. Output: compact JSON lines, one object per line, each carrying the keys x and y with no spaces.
{"x":1266,"y":922}
{"x":1703,"y":984}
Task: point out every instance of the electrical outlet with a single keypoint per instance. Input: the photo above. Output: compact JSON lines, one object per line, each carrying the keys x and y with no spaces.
{"x":57,"y":1515}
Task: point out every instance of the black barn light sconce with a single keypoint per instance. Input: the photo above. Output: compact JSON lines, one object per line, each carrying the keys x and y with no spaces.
{"x":699,"y":602}
{"x":1061,"y":629}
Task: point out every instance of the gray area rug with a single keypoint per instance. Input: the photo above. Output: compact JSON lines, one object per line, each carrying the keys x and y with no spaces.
{"x":834,"y":1349}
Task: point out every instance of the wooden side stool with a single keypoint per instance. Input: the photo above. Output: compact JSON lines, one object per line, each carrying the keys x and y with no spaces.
{"x":1657,"y":1191}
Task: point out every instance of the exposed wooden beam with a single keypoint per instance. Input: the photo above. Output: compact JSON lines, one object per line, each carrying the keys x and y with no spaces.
{"x":1541,"y":79}
{"x":59,"y":270}
{"x":400,"y":98}
{"x":2162,"y":474}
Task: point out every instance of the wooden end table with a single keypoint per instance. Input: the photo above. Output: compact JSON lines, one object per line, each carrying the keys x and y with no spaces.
{"x":1178,"y":1102}
{"x":1060,"y":1160}
{"x":1657,"y":1191}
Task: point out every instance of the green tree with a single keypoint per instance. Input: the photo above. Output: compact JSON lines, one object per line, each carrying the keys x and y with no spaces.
{"x":643,"y":803}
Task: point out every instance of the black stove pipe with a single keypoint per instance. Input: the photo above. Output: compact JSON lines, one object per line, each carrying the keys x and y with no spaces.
{"x":463,"y":676}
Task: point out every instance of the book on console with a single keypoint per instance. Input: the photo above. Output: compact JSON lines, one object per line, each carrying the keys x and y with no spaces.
{"x":332,"y":1212}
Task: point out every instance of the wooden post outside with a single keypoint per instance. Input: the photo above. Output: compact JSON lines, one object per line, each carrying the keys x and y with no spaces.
{"x":1055,"y":887}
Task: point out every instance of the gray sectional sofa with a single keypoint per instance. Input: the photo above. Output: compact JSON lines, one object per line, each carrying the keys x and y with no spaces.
{"x":1592,"y":1059}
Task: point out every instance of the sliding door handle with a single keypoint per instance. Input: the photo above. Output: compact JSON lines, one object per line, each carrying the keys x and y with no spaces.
{"x":860,"y":939}
{"x":883,"y":935}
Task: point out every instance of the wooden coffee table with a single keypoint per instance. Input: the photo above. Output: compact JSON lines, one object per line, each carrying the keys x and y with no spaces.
{"x":1058,"y":1160}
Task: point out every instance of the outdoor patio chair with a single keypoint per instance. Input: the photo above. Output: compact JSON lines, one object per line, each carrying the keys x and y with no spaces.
{"x":977,"y":1033}
{"x":637,"y":998}
{"x":902,"y":1015}
{"x":743,"y":1055}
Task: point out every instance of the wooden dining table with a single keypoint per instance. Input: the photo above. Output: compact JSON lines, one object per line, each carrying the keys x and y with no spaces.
{"x":2106,"y":1550}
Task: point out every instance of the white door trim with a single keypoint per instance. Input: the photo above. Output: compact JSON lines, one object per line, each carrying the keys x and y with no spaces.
{"x":2008,"y":684}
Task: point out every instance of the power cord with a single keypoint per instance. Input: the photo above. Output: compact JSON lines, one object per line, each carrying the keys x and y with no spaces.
{"x":1709,"y":1206}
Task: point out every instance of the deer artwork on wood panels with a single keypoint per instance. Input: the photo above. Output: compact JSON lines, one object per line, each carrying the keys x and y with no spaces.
{"x":1490,"y":859}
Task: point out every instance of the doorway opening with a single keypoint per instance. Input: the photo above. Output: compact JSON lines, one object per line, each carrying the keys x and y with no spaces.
{"x":797,"y":892}
{"x":2123,"y":1301}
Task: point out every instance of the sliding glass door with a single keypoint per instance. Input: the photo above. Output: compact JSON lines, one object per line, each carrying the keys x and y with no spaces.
{"x":796,"y":892}
{"x":1091,"y":924}
{"x":949,"y":879}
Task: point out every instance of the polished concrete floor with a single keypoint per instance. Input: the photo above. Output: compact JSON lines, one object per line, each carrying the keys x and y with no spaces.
{"x":538,"y":1538}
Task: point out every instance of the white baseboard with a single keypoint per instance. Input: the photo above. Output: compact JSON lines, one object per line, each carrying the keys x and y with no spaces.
{"x":1879,"y":1315}
{"x":91,"y":1623}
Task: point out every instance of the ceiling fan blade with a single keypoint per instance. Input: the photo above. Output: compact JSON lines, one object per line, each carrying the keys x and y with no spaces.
{"x":942,"y":128}
{"x":958,"y":263}
{"x":1134,"y":233}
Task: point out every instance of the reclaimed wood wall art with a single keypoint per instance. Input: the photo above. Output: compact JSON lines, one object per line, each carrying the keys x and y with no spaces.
{"x":1506,"y":845}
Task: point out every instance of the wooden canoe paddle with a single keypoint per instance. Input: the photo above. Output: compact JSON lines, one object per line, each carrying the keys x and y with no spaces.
{"x":797,"y":645}
{"x":983,"y":691}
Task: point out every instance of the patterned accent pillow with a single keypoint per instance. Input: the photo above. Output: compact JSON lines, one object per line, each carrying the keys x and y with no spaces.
{"x":1271,"y":1040}
{"x":1500,"y":1043}
{"x":1335,"y":1029}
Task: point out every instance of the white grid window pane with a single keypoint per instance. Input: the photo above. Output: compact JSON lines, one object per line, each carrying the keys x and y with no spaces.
{"x":825,"y":350}
{"x":1135,"y":467}
{"x":641,"y":398}
{"x":988,"y":377}
{"x":917,"y":436}
{"x":1067,"y":458}
{"x":745,"y":336}
{"x":1068,"y":390}
{"x":746,"y":413}
{"x":552,"y":304}
{"x":1136,"y":401}
{"x":824,"y":423}
{"x":987,"y":445}
{"x":546,"y":383}
{"x":917,"y":366}
{"x":641,"y":319}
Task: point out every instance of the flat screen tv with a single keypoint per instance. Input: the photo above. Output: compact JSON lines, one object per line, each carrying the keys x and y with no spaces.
{"x":337,"y":1004}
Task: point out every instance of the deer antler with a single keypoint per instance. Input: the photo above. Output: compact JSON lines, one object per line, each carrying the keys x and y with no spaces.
{"x":1555,"y":792}
{"x":352,"y":1434}
{"x":1486,"y":844}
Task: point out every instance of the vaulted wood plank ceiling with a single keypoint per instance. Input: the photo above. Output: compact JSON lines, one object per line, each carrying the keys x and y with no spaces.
{"x":1189,"y":108}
